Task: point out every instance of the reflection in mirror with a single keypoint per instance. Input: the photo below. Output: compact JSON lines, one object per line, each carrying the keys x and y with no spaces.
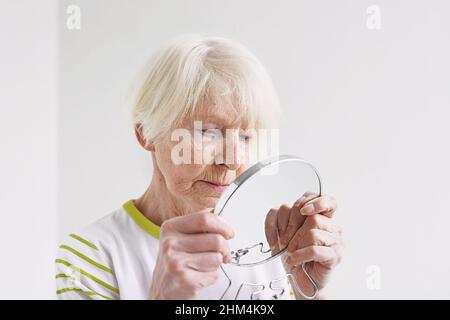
{"x":276,"y":183}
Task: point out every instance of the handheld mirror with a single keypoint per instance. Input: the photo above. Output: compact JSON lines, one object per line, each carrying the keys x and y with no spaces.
{"x":245,"y":205}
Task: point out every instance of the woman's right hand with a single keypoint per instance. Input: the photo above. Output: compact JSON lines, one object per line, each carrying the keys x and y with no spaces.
{"x":191,"y":250}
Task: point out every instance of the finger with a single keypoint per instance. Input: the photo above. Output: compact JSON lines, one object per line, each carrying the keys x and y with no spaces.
{"x":313,"y":237}
{"x":204,"y":262}
{"x":282,"y":222}
{"x":206,"y":242}
{"x":203,"y":279}
{"x":339,"y":249}
{"x":307,"y":196}
{"x":296,"y":220}
{"x":271,"y":229}
{"x":314,"y":222}
{"x":318,"y":221}
{"x":199,"y":223}
{"x":326,"y":256}
{"x":198,"y":280}
{"x":325,"y":205}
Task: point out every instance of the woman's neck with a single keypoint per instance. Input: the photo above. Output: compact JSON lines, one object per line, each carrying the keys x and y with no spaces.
{"x":157,"y":204}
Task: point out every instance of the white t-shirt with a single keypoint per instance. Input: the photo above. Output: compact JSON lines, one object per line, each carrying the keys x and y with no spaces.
{"x":114,"y":258}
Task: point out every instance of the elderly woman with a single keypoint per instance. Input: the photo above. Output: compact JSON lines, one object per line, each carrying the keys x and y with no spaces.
{"x":167,"y":244}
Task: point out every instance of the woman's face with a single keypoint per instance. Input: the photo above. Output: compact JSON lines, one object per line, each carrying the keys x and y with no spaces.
{"x":199,"y":158}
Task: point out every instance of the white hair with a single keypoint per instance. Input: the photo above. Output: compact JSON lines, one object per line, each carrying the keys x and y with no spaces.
{"x":193,"y":70}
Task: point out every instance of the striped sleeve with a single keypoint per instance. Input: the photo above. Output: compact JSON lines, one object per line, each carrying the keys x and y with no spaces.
{"x":83,"y":271}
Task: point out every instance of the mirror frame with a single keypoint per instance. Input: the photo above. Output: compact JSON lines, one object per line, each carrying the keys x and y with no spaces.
{"x":247,"y":174}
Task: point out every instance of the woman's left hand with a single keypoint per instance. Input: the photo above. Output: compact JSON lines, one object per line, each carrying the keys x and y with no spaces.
{"x":312,"y":237}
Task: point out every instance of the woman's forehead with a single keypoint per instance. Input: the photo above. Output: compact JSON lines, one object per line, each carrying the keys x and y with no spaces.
{"x":222,"y":115}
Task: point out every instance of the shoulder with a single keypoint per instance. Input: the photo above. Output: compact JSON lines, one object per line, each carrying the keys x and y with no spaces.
{"x":99,"y":236}
{"x":84,"y":267}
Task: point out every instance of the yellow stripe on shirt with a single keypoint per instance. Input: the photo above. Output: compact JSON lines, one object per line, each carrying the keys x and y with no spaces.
{"x":84,"y":241}
{"x":90,"y":276}
{"x":89,"y":293}
{"x":82,"y":256}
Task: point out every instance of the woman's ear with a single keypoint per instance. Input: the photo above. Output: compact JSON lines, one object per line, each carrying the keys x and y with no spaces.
{"x":147,"y":145}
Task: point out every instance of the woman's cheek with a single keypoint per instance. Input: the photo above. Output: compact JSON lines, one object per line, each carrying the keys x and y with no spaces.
{"x":183,"y":175}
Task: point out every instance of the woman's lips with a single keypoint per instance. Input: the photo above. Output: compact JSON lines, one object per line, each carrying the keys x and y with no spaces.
{"x":216,"y":187}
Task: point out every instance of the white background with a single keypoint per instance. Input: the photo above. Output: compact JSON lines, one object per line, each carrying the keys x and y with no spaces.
{"x":28,"y":123}
{"x":368,"y":107}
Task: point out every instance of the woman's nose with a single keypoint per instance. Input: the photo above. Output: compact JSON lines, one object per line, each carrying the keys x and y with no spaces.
{"x":231,"y":154}
{"x":232,"y":166}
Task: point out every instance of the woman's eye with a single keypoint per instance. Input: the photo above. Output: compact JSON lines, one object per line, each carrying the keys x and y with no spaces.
{"x":245,"y":138}
{"x":209,"y":133}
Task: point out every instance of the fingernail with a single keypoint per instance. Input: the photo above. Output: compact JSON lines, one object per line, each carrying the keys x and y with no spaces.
{"x":307,"y":209}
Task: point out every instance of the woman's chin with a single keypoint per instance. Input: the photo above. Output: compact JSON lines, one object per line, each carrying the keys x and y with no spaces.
{"x":206,"y":201}
{"x":204,"y":196}
{"x":210,"y":202}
